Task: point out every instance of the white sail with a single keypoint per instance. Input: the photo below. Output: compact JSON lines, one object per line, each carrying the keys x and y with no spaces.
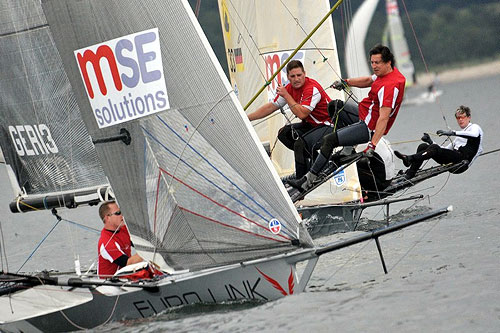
{"x":193,"y":181}
{"x":188,"y":170}
{"x":44,"y":141}
{"x":355,"y":54}
{"x":259,"y":36}
{"x":356,"y":57}
{"x":399,"y":46}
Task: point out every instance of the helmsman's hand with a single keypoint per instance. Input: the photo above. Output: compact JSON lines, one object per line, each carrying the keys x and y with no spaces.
{"x":447,"y":133}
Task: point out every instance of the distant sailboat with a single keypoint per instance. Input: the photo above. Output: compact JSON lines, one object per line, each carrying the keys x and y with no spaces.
{"x":356,"y":60}
{"x":356,"y":56}
{"x":399,"y":46}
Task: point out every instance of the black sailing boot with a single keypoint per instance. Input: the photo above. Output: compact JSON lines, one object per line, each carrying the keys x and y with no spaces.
{"x":304,"y":183}
{"x":407,"y":159}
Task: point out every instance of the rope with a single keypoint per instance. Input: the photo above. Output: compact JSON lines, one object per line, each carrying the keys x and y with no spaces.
{"x":251,"y":39}
{"x":82,"y":226}
{"x":295,"y":51}
{"x":99,"y":250}
{"x":3,"y":252}
{"x":423,"y":60}
{"x":490,"y":152}
{"x":325,"y":59}
{"x":113,"y":309}
{"x":351,"y":258}
{"x":288,"y":120}
{"x":59,"y":219}
{"x":104,"y":323}
{"x":413,"y":246}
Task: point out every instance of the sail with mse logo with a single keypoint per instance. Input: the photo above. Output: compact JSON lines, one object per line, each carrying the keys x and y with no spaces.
{"x":124,"y":78}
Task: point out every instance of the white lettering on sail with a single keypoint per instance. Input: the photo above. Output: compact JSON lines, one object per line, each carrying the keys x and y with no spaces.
{"x":31,"y":140}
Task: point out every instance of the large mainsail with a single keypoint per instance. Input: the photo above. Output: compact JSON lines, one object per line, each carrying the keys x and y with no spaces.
{"x":46,"y":145}
{"x":193,"y":182}
{"x":259,"y":36}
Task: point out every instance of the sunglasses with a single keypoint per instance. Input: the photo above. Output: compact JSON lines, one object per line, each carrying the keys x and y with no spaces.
{"x":461,"y":117}
{"x":118,"y":213}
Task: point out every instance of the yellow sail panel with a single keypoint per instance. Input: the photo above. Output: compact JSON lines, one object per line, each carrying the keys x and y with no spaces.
{"x":259,"y":36}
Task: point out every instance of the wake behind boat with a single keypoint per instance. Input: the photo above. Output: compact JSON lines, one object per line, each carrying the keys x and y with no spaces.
{"x":422,"y":98}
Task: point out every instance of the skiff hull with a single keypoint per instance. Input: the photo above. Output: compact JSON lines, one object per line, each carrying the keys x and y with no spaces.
{"x":62,"y":308}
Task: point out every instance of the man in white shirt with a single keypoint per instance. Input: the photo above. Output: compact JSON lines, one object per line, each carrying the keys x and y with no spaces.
{"x":466,"y":146}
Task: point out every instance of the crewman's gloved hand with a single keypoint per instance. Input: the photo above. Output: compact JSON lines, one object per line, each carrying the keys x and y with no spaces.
{"x":427,"y":139}
{"x":447,"y":133}
{"x":339,"y":84}
{"x":370,"y":149}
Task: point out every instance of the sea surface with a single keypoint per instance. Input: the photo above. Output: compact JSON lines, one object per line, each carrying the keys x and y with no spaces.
{"x":444,"y":274}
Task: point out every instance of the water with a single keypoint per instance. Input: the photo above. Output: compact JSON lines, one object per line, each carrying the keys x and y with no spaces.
{"x":443,"y":274}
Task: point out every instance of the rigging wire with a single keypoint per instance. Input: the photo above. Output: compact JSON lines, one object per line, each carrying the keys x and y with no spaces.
{"x":325,"y":59}
{"x":347,"y":261}
{"x":39,"y":244}
{"x":348,"y":22}
{"x":59,"y":219}
{"x":296,"y":20}
{"x":423,"y":59}
{"x":3,"y":250}
{"x":251,"y":37}
{"x":295,"y":51}
{"x":415,"y":243}
{"x":298,"y":23}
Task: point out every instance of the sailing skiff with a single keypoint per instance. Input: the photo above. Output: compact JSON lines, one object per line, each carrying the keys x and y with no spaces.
{"x":164,"y":129}
{"x":260,"y":37}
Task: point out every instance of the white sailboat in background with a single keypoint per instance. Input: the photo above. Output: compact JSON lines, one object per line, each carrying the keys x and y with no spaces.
{"x":158,"y":110}
{"x":259,"y":36}
{"x":356,"y":60}
{"x":356,"y":56}
{"x":399,"y":45}
{"x":401,"y":51}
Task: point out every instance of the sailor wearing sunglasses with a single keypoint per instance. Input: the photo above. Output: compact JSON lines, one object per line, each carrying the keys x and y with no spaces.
{"x":114,"y":246}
